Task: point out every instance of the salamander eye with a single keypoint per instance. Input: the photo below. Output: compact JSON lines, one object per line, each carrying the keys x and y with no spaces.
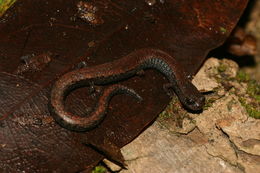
{"x":195,"y":104}
{"x":201,"y":100}
{"x":189,"y":101}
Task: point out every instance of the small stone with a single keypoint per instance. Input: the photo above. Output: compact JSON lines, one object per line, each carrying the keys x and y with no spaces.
{"x":250,"y":163}
{"x":187,"y":126}
{"x":203,"y":79}
{"x":232,"y":68}
{"x":245,"y":135}
{"x":223,"y":136}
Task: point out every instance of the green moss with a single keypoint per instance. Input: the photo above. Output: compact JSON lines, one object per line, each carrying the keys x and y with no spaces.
{"x":165,"y":114}
{"x":168,"y":112}
{"x":252,"y":101}
{"x":222,"y":68}
{"x":253,"y":89}
{"x":222,"y":77}
{"x":4,"y":5}
{"x":251,"y":110}
{"x":223,"y":30}
{"x":173,"y":115}
{"x":209,"y":102}
{"x":230,"y":104}
{"x":99,"y":169}
{"x":242,"y":76}
{"x":193,"y":121}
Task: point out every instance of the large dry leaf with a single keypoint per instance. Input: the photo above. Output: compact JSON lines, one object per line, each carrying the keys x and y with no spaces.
{"x":29,"y":138}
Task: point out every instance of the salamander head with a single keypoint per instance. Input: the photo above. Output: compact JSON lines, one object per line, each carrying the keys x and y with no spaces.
{"x":190,"y":97}
{"x":194,"y":102}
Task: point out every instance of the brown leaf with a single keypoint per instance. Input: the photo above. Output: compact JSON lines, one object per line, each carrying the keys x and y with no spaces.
{"x":29,"y":139}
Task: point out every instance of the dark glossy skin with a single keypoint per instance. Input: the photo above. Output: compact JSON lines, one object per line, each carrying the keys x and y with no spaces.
{"x":115,"y":71}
